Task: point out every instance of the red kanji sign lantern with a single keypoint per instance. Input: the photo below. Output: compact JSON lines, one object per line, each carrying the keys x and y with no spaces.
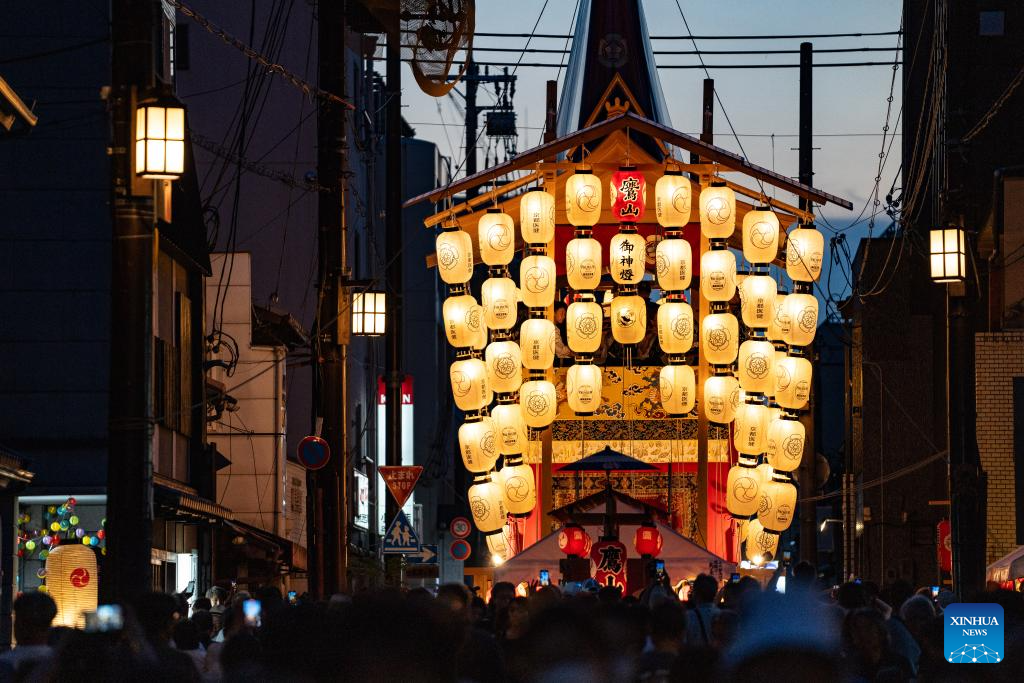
{"x":647,"y":541}
{"x":573,"y":541}
{"x":608,"y":563}
{"x":945,"y":545}
{"x":628,"y":194}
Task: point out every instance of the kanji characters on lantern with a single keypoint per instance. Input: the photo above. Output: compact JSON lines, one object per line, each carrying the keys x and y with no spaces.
{"x":628,"y":195}
{"x":608,"y":563}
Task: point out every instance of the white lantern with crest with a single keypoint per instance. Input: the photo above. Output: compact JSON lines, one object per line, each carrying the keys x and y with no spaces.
{"x":777,"y":503}
{"x":496,"y":233}
{"x":678,"y":388}
{"x":761,"y":545}
{"x":469,"y":383}
{"x":742,"y":489}
{"x":498,"y":295}
{"x":583,"y":321}
{"x":478,"y":443}
{"x":760,"y":236}
{"x":793,"y":382}
{"x":801,"y":310}
{"x":629,"y":318}
{"x":717,"y":211}
{"x":583,"y":198}
{"x":537,"y":281}
{"x":454,"y":249}
{"x":719,"y":338}
{"x":537,"y":216}
{"x":778,"y":326}
{"x":675,"y":327}
{"x":718,"y":393}
{"x":583,"y":263}
{"x":539,"y":403}
{"x":519,"y":486}
{"x":583,"y":388}
{"x":463,"y":320}
{"x":487,"y":504}
{"x":805,"y":249}
{"x":537,"y":342}
{"x":756,"y":366}
{"x":673,"y":194}
{"x":718,"y":275}
{"x":504,"y":366}
{"x":510,"y":427}
{"x":786,"y":435}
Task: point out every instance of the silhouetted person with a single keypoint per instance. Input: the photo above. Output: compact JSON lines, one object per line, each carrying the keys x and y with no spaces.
{"x":668,"y":629}
{"x":157,"y":614}
{"x":702,"y":611}
{"x":868,"y":653}
{"x":33,"y":614}
{"x":479,"y":658}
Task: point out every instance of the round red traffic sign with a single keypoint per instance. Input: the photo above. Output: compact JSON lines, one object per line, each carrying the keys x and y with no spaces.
{"x":460,"y":527}
{"x":313,"y":452}
{"x":460,"y":550}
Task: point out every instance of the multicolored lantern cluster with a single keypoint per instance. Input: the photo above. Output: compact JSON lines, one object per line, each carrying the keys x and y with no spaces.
{"x":60,"y":525}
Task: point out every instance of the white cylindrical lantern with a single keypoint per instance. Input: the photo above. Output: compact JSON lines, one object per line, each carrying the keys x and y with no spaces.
{"x":583,"y":388}
{"x":583,"y":326}
{"x":537,"y":342}
{"x":785,"y":443}
{"x":718,"y":275}
{"x":583,"y":263}
{"x":751,"y":428}
{"x":756,"y":361}
{"x":496,"y":237}
{"x":760,"y":236}
{"x":487,"y":504}
{"x":627,"y":254}
{"x":469,"y":384}
{"x":717,"y":211}
{"x":629,"y":319}
{"x":519,"y":487}
{"x":762,"y":545}
{"x":778,"y":326}
{"x":539,"y":403}
{"x":675,"y":327}
{"x":719,"y":338}
{"x":674,"y":258}
{"x":462,"y":320}
{"x":718,"y":391}
{"x":537,"y":281}
{"x":510,"y":427}
{"x":678,"y":389}
{"x":793,"y":382}
{"x":672,"y":197}
{"x":802,"y":311}
{"x":805,"y":249}
{"x":72,"y":580}
{"x":742,"y":490}
{"x":478,"y":444}
{"x":583,"y":199}
{"x":498,"y":545}
{"x":537,"y":217}
{"x":454,"y":249}
{"x":777,"y":505}
{"x":504,"y":366}
{"x":498,"y":295}
{"x":757,"y":299}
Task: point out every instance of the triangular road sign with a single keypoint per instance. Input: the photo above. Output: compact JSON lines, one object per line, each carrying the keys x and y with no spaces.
{"x":401,"y":480}
{"x":401,"y":538}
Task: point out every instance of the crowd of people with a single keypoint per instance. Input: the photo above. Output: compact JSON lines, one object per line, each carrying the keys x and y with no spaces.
{"x":735,"y":630}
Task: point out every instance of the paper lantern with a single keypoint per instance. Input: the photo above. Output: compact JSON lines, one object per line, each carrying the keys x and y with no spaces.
{"x":160,"y":139}
{"x":719,"y":336}
{"x":948,"y":254}
{"x":778,"y":326}
{"x":672,"y":196}
{"x":498,"y":545}
{"x":498,"y":295}
{"x":510,"y":427}
{"x":762,"y":545}
{"x":537,"y":341}
{"x":629,"y":319}
{"x":757,"y":300}
{"x":583,"y":263}
{"x":487,"y":504}
{"x":454,"y":250}
{"x":802,"y":311}
{"x":675,"y":327}
{"x":793,"y":382}
{"x":760,"y":236}
{"x":462,"y":320}
{"x":674,"y":259}
{"x":583,"y":388}
{"x":717,"y":211}
{"x":478,"y":443}
{"x":805,"y":249}
{"x":777,"y":504}
{"x":751,"y":428}
{"x":647,"y":540}
{"x":469,"y":384}
{"x":519,"y":486}
{"x":583,"y":198}
{"x":786,"y":437}
{"x":608,"y":564}
{"x":756,"y":366}
{"x":496,"y":238}
{"x":628,"y":195}
{"x":678,"y":389}
{"x":742,"y":490}
{"x":718,"y":391}
{"x":626,"y":257}
{"x":72,"y":580}
{"x":504,"y":366}
{"x":539,"y":403}
{"x":583,"y":326}
{"x":537,"y":216}
{"x":573,"y":540}
{"x":537,"y":281}
{"x":718,"y":275}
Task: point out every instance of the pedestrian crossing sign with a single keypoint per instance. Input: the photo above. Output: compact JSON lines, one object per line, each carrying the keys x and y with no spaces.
{"x":401,"y":538}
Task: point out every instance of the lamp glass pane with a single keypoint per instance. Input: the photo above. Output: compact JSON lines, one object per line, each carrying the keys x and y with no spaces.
{"x":154,"y":156}
{"x":175,"y":123}
{"x":155,"y":124}
{"x":175,"y":157}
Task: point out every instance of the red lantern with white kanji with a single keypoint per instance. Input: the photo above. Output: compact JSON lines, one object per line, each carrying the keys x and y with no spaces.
{"x":608,"y":563}
{"x":628,"y":195}
{"x":573,"y":540}
{"x":647,"y":540}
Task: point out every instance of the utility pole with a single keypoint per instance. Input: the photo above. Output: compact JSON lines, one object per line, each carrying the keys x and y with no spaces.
{"x":332,"y":337}
{"x":707,"y":134}
{"x":472,"y":79}
{"x":126,"y":566}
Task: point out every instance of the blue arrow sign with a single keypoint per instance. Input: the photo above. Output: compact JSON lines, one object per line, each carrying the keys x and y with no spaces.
{"x":401,"y":538}
{"x":426,"y":555}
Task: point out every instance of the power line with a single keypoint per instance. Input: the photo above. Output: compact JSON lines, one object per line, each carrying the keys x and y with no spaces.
{"x":566,"y":50}
{"x":673,"y":66}
{"x":560,"y":36}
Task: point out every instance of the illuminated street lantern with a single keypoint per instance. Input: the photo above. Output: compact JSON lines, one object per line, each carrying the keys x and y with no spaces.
{"x":948,"y":254}
{"x":160,"y":139}
{"x":369,"y":313}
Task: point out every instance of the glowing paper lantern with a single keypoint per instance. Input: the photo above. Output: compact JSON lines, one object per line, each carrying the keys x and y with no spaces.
{"x":793,"y":382}
{"x":757,"y":300}
{"x":628,"y":195}
{"x":805,"y":249}
{"x":718,"y":275}
{"x":608,"y":564}
{"x":778,"y":326}
{"x":510,"y":427}
{"x":647,"y":540}
{"x":674,"y":258}
{"x":742,"y":490}
{"x":629,"y":319}
{"x":802,"y":312}
{"x":537,"y":341}
{"x":519,"y":486}
{"x":675,"y":327}
{"x":539,"y":403}
{"x":717,"y":211}
{"x":777,"y":504}
{"x":756,"y":366}
{"x":496,"y":238}
{"x":626,"y":257}
{"x":678,"y":388}
{"x":454,"y":250}
{"x":469,"y":384}
{"x":537,"y":216}
{"x":583,"y":388}
{"x":504,"y":366}
{"x":760,"y":236}
{"x":718,"y":391}
{"x":583,"y":263}
{"x":537,"y":281}
{"x":160,"y":139}
{"x":786,"y":437}
{"x":498,"y":295}
{"x":672,"y":197}
{"x":573,"y":540}
{"x":498,"y":546}
{"x":583,"y":326}
{"x":478,"y":444}
{"x":583,"y":198}
{"x":71,"y":580}
{"x":487,"y":504}
{"x":720,"y":338}
{"x":762,"y":545}
{"x":751,"y":428}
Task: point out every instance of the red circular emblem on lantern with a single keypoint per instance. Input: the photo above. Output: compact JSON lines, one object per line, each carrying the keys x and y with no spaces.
{"x":574,"y":540}
{"x":80,"y":577}
{"x":628,"y":194}
{"x":647,"y":540}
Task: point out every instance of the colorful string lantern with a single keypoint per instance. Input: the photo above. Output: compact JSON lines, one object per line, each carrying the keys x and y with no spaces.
{"x":537,"y":281}
{"x":454,"y":249}
{"x":583,"y":326}
{"x":583,"y":199}
{"x":628,"y":195}
{"x":469,"y":383}
{"x":720,"y":338}
{"x":717,"y":211}
{"x":756,"y":371}
{"x":487,"y":504}
{"x":675,"y":327}
{"x":510,"y":427}
{"x":786,"y":435}
{"x":539,"y":402}
{"x":718,"y":275}
{"x":537,"y":341}
{"x":647,"y":540}
{"x":757,"y":300}
{"x":718,"y":391}
{"x":537,"y":216}
{"x":71,"y":582}
{"x":672,"y":197}
{"x":760,"y":236}
{"x":629,"y":318}
{"x":519,"y":487}
{"x":583,"y":263}
{"x":674,"y":258}
{"x":498,"y":295}
{"x":802,"y":312}
{"x":583,"y":388}
{"x":573,"y":540}
{"x":463,"y":320}
{"x":478,"y":443}
{"x":793,"y":382}
{"x":496,"y":238}
{"x":627,"y":256}
{"x":805,"y":249}
{"x":677,"y":386}
{"x":608,"y":563}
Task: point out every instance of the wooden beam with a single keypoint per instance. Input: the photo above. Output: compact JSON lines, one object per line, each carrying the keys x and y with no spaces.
{"x":481,"y":199}
{"x":770,"y":201}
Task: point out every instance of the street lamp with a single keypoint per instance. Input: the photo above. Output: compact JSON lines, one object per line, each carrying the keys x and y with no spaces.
{"x":369,"y":313}
{"x":948,"y":251}
{"x":160,"y":138}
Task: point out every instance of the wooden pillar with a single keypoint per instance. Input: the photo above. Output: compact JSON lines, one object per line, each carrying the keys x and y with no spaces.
{"x":704,"y":308}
